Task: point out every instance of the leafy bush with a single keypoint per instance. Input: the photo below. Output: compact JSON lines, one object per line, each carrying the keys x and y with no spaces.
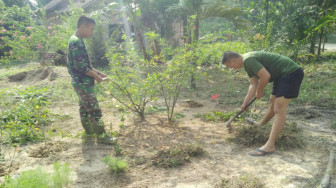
{"x":210,"y":54}
{"x":24,"y":38}
{"x":115,"y":165}
{"x":171,"y":80}
{"x":21,"y":122}
{"x":40,"y":178}
{"x":16,"y":30}
{"x":130,"y":83}
{"x":97,"y":45}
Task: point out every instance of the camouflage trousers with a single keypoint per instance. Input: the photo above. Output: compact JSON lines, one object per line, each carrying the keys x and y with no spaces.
{"x":89,"y":110}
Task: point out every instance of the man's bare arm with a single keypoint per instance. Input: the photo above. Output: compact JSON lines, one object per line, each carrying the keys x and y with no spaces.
{"x":264,"y":77}
{"x":99,"y":73}
{"x":94,"y":75}
{"x":251,"y":91}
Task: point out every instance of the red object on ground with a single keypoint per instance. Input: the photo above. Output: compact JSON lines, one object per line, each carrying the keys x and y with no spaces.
{"x":214,"y":97}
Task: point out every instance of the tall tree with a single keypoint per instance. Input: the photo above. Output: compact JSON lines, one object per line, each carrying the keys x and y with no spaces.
{"x":191,"y":12}
{"x":132,"y":8}
{"x":201,"y":10}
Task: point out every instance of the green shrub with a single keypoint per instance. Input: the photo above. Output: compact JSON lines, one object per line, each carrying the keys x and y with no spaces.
{"x":21,"y":122}
{"x":40,"y":178}
{"x":130,"y":84}
{"x":97,"y":45}
{"x":210,"y":54}
{"x":115,"y":165}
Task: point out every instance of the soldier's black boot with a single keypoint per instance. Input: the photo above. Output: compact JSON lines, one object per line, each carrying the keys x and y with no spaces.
{"x":102,"y":137}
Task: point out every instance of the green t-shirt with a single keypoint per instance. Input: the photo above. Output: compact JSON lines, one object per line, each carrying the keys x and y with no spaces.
{"x":78,"y":62}
{"x":277,"y":65}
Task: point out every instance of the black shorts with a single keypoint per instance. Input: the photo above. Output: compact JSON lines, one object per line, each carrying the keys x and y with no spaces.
{"x":288,"y":86}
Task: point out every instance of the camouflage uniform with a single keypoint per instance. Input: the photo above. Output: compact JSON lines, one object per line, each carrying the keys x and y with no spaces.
{"x":78,"y":64}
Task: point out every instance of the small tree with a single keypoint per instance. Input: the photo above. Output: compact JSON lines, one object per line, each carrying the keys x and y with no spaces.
{"x":173,"y":79}
{"x":130,"y":84}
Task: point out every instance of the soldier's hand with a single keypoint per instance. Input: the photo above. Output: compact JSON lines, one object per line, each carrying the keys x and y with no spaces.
{"x":106,"y":79}
{"x":99,"y":79}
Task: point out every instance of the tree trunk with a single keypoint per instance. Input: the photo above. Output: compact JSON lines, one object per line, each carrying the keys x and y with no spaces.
{"x":141,"y":43}
{"x":312,"y":44}
{"x":185,"y":34}
{"x":320,"y":42}
{"x":197,"y":26}
{"x":266,"y":23}
{"x":324,"y":41}
{"x":193,"y":81}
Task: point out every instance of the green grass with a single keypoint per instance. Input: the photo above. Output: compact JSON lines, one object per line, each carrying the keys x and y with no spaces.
{"x":318,"y":87}
{"x":40,"y":178}
{"x":115,"y":165}
{"x":14,"y":68}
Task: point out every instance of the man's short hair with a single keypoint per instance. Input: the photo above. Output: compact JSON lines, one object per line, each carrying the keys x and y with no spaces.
{"x":84,"y":20}
{"x":228,"y":55}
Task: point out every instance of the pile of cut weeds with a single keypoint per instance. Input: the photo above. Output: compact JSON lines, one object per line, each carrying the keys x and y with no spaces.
{"x":246,"y":181}
{"x":290,"y":137}
{"x":172,"y":157}
{"x":216,"y":116}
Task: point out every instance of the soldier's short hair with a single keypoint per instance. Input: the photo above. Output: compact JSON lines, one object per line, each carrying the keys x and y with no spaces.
{"x":228,"y":55}
{"x":84,"y":20}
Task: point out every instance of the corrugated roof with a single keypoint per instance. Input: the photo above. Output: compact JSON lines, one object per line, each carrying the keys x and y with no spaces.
{"x":62,"y":5}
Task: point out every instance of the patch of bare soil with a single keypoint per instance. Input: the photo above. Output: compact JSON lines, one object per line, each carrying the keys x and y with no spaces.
{"x":7,"y":168}
{"x":34,"y":75}
{"x":191,"y":104}
{"x":142,"y":141}
{"x":43,"y":150}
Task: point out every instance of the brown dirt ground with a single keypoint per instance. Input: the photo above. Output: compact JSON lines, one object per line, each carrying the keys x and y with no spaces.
{"x":140,"y":142}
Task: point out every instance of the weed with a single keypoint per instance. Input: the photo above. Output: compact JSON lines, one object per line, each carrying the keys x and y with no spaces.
{"x":21,"y":120}
{"x":246,"y":181}
{"x":122,"y":126}
{"x":178,"y":155}
{"x":179,"y":116}
{"x":290,"y":137}
{"x":117,"y":149}
{"x":155,"y":109}
{"x":115,"y":165}
{"x":40,"y":178}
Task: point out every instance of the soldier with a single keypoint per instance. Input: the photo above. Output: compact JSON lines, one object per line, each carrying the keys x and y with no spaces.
{"x":83,"y":77}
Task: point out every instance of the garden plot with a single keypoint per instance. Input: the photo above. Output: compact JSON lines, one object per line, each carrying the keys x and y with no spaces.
{"x":207,"y":156}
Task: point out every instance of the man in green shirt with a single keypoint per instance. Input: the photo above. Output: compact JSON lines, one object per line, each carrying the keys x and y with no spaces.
{"x":83,"y":77}
{"x":262,"y":68}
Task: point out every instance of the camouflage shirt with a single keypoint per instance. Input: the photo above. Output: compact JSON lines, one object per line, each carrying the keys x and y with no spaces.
{"x":78,"y":62}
